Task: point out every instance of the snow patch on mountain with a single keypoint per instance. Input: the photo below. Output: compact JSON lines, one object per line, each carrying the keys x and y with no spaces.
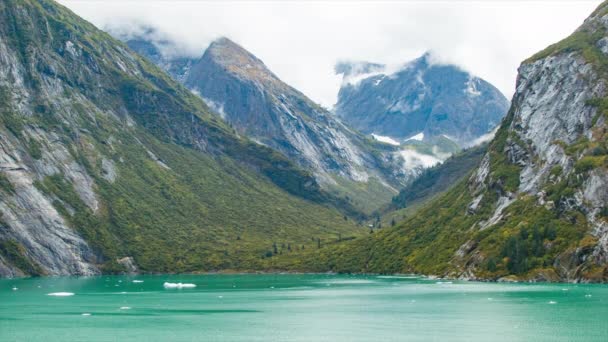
{"x":385,"y":139}
{"x":417,"y":136}
{"x":471,"y":87}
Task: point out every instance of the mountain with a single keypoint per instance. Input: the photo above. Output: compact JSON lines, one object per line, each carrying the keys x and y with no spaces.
{"x":536,"y":208}
{"x":109,"y":165}
{"x":253,"y":100}
{"x":177,"y":66}
{"x":423,"y":99}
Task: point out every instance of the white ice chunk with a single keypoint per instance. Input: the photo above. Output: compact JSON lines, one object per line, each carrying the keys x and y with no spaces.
{"x":61,"y":294}
{"x":179,"y":285}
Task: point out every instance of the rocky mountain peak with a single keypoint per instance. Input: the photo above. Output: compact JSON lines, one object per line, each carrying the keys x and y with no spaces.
{"x":421,"y":97}
{"x":235,"y":59}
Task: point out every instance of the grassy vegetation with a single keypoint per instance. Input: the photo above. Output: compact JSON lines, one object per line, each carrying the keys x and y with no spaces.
{"x":366,"y":197}
{"x":14,"y":253}
{"x":528,"y":241}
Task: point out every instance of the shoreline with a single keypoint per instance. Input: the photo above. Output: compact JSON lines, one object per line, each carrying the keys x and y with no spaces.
{"x":503,"y":280}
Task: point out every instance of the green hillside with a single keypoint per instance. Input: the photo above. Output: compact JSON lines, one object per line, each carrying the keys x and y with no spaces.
{"x":170,"y":184}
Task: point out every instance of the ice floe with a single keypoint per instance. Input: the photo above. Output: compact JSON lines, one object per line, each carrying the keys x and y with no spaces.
{"x":178,"y":285}
{"x":60,"y":294}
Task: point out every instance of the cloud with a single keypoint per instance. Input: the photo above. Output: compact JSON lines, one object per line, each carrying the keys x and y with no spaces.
{"x":302,"y":41}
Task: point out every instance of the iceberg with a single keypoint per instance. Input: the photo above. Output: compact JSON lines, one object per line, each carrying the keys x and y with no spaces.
{"x":61,"y":294}
{"x":178,"y":285}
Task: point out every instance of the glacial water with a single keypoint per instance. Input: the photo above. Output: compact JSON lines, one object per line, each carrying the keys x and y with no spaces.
{"x":297,"y":308}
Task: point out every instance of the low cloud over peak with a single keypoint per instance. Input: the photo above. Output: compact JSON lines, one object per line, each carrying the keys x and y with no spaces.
{"x":302,"y":41}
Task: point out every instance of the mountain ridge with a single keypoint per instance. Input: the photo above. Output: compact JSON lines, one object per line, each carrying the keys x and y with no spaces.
{"x":421,"y":96}
{"x":253,"y":100}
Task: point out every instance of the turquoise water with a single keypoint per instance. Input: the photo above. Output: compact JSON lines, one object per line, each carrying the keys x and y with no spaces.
{"x":298,"y":308}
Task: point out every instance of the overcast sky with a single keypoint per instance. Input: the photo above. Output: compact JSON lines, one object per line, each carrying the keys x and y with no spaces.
{"x":302,"y":40}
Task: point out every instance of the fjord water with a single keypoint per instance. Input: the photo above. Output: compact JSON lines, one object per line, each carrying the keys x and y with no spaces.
{"x":298,"y":308}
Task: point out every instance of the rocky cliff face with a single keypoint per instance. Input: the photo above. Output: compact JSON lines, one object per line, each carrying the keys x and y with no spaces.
{"x":252,"y":99}
{"x":108,"y":165}
{"x":422,"y":98}
{"x":160,"y":50}
{"x":245,"y":93}
{"x":537,"y":206}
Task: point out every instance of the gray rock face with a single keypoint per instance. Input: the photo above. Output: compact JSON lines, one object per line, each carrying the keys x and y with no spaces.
{"x":245,"y":93}
{"x":556,"y":135}
{"x":421,"y":97}
{"x":261,"y":106}
{"x":28,"y":216}
{"x":553,"y":111}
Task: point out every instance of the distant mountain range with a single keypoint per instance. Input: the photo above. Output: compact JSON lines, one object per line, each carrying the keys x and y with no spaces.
{"x":253,"y":100}
{"x":257,"y":104}
{"x":422,"y":100}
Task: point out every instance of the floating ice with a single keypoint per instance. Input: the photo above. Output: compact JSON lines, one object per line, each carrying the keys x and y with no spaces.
{"x":138,"y":281}
{"x":86,"y":314}
{"x":125,"y":308}
{"x":61,"y":294}
{"x":552,"y":302}
{"x":398,"y":277}
{"x":15,"y":289}
{"x":178,"y":285}
{"x":587,"y":296}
